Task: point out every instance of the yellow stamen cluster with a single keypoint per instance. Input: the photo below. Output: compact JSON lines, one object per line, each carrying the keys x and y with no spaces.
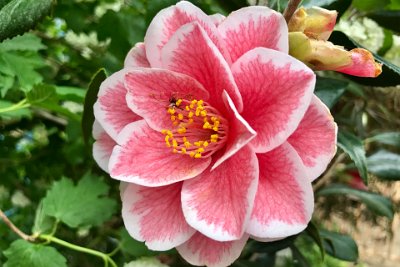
{"x":191,"y":118}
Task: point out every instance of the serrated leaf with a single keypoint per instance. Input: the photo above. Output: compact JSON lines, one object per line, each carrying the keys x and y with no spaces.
{"x":389,"y":138}
{"x":376,"y":203}
{"x":26,"y":42}
{"x":330,"y":90}
{"x":70,"y":93}
{"x":90,"y":99}
{"x":40,"y":93}
{"x":82,"y":205}
{"x":21,"y":253}
{"x":6,"y":82}
{"x":340,"y":246}
{"x":19,"y":16}
{"x":385,"y":165}
{"x":353,"y":146}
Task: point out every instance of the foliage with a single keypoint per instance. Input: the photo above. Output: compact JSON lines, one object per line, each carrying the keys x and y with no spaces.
{"x":51,"y":51}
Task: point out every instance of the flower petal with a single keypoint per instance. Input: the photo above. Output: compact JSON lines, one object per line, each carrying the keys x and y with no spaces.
{"x":154,"y":215}
{"x":168,"y":21}
{"x":240,"y":132}
{"x":110,"y":109}
{"x":362,"y":64}
{"x":218,"y":203}
{"x":102,"y":147}
{"x":315,"y":138}
{"x":252,"y":27}
{"x":217,"y":18}
{"x":143,"y":158}
{"x":136,"y":57}
{"x":191,"y":51}
{"x":201,"y":250}
{"x":284,"y":201}
{"x":150,"y":91}
{"x":276,"y":90}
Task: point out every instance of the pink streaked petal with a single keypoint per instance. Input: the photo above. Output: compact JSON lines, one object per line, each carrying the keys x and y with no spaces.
{"x":252,"y":27}
{"x":102,"y":147}
{"x":154,"y":215}
{"x":284,"y":201}
{"x":141,"y":157}
{"x":218,"y":203}
{"x":240,"y":132}
{"x":276,"y":90}
{"x":136,"y":57}
{"x":217,"y":18}
{"x":191,"y":51}
{"x":111,"y":109}
{"x":201,"y":250}
{"x":168,"y":21}
{"x":150,"y":91}
{"x":315,"y":138}
{"x":362,"y":64}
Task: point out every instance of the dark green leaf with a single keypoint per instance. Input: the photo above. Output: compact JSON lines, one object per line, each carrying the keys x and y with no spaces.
{"x":21,"y":253}
{"x":378,"y":204}
{"x":270,"y":247}
{"x":390,"y":138}
{"x":40,"y":93}
{"x":385,"y":165}
{"x":340,"y":246}
{"x":19,"y":16}
{"x":80,"y":205}
{"x":390,"y":75}
{"x":330,"y":90}
{"x":133,"y":247}
{"x":298,"y":259}
{"x":387,"y":18}
{"x":313,"y":232}
{"x":354,"y":147}
{"x":90,"y":99}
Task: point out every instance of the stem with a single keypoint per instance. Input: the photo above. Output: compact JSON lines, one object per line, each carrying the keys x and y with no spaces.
{"x":106,"y":258}
{"x":14,"y":228}
{"x":290,"y":9}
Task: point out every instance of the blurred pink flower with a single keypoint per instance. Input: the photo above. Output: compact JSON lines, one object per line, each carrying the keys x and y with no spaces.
{"x":215,"y":132}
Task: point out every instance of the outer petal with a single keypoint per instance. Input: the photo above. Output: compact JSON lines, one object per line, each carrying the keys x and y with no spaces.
{"x":284,"y":201}
{"x":362,"y":64}
{"x":150,"y":91}
{"x":217,"y":18}
{"x":155,"y":215}
{"x":102,"y":147}
{"x":142,"y":158}
{"x":218,"y":203}
{"x":136,"y":57}
{"x":252,"y":27}
{"x":191,"y":51}
{"x":168,"y":21}
{"x":110,"y":109}
{"x":276,"y":91}
{"x":201,"y":250}
{"x":315,"y":138}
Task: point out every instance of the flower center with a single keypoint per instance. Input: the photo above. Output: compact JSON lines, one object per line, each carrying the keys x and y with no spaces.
{"x":198,"y":130}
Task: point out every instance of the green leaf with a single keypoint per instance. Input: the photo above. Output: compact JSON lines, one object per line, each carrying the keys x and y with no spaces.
{"x":21,"y":253}
{"x":90,"y":99}
{"x":387,"y":42}
{"x":385,"y":165}
{"x":271,"y":247}
{"x":378,"y":204}
{"x":69,"y":93}
{"x":388,"y":19}
{"x":390,"y":75}
{"x":15,"y":114}
{"x":340,"y":246}
{"x":43,"y":223}
{"x":389,"y":138}
{"x":298,"y":259}
{"x":370,"y":5}
{"x":40,"y":93}
{"x":26,"y":42}
{"x":82,"y":205}
{"x":330,"y":90}
{"x":6,"y":82}
{"x":145,"y":262}
{"x":19,"y":16}
{"x":130,"y":246}
{"x":353,"y":146}
{"x":313,"y":232}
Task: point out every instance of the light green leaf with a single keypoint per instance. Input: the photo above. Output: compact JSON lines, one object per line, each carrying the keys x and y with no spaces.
{"x":389,"y":138}
{"x":82,"y":205}
{"x":354,"y":147}
{"x":43,"y":223}
{"x":40,"y":93}
{"x":6,"y":82}
{"x":21,"y":253}
{"x":19,"y":16}
{"x":385,"y":165}
{"x":378,"y":204}
{"x":71,"y":93}
{"x":26,"y":42}
{"x":368,"y":5}
{"x":340,"y":246}
{"x":14,"y":114}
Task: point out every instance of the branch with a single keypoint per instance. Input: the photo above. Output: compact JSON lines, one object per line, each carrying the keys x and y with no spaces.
{"x":14,"y":228}
{"x":290,"y":9}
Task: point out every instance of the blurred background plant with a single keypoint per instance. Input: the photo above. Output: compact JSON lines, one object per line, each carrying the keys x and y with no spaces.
{"x":50,"y":187}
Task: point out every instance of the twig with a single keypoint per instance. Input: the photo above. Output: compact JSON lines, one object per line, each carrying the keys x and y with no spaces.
{"x":290,"y":9}
{"x":14,"y":228}
{"x":329,"y":173}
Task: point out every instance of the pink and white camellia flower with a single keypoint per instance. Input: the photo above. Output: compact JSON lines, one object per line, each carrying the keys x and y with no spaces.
{"x":215,"y":133}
